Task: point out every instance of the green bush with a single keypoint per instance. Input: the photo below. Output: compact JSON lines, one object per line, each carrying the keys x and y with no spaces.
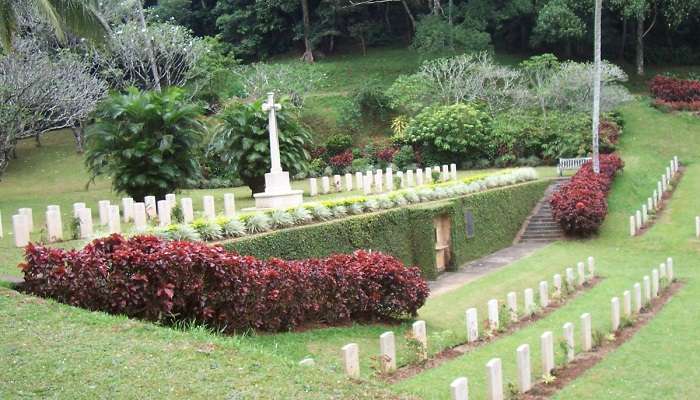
{"x":242,"y":141}
{"x":451,"y":133}
{"x":146,"y":142}
{"x":434,"y":36}
{"x":405,"y":158}
{"x":337,"y":144}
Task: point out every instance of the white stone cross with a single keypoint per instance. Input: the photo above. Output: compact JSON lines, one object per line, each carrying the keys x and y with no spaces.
{"x":270,"y":107}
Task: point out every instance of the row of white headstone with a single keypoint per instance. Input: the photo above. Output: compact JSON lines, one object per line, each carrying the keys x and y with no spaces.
{"x":641,"y":217}
{"x":387,"y":344}
{"x":111,"y":216}
{"x":379,"y":180}
{"x":459,"y":388}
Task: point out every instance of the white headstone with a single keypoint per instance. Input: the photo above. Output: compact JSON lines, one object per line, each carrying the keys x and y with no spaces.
{"x":662,"y":273}
{"x":367,"y":184}
{"x":151,"y":207}
{"x":528,"y":301}
{"x":114,"y":223}
{"x":522,"y":358}
{"x":337,"y":183}
{"x":472,"y":325}
{"x":512,"y":301}
{"x":591,"y":267}
{"x":85,"y":218}
{"x":556,"y":281}
{"x":675,"y":161}
{"x":638,"y":219}
{"x":229,"y":205}
{"x":348,"y":182}
{"x":419,"y":177}
{"x":581,"y":269}
{"x":493,"y":314}
{"x":428,"y":174}
{"x":655,"y":283}
{"x":570,"y":277}
{"x":387,"y":351}
{"x":54,"y":228}
{"x":209,"y":207}
{"x":586,"y":332}
{"x":187,"y":210}
{"x":140,"y":216}
{"x":633,"y":226}
{"x":128,"y":207}
{"x":494,"y":379}
{"x":359,"y":179}
{"x":544,"y":294}
{"x":351,"y":360}
{"x":389,"y":179}
{"x":669,"y":269}
{"x":164,"y":212}
{"x":547,"y":347}
{"x":313,"y":187}
{"x":615,"y":314}
{"x":76,"y":209}
{"x":60,"y":219}
{"x":655,"y":198}
{"x":637,"y":297}
{"x":664,"y":184}
{"x":453,"y":171}
{"x":20,"y":229}
{"x":170,"y":197}
{"x":379,"y":181}
{"x":27,"y":212}
{"x":668,"y":174}
{"x":568,"y":330}
{"x":402,"y":179}
{"x":697,"y":227}
{"x":409,"y":179}
{"x":645,"y":214}
{"x":420,"y":335}
{"x":459,"y":389}
{"x":647,"y":289}
{"x":627,"y":303}
{"x":650,"y":205}
{"x":103,"y":210}
{"x":325,"y":185}
{"x":445,"y":176}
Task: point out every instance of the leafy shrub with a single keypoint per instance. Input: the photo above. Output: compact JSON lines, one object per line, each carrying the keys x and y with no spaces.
{"x":242,"y":142}
{"x":372,"y":102}
{"x":146,"y":277}
{"x":435,"y":36}
{"x":670,"y":89}
{"x":457,"y":131}
{"x":146,"y":142}
{"x":361,"y":165}
{"x":337,"y":144}
{"x":580,"y":206}
{"x":341,"y":162}
{"x":405,"y":158}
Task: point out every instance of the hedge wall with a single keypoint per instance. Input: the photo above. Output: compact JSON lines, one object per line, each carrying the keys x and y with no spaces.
{"x":408,"y":233}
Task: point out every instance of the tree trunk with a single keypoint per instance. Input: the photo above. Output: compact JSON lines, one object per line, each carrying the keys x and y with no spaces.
{"x":640,"y":44}
{"x":410,"y":15}
{"x":149,"y":46}
{"x":364,"y":45}
{"x":79,"y":138}
{"x":596,"y":85}
{"x":308,"y":55}
{"x":623,"y":40}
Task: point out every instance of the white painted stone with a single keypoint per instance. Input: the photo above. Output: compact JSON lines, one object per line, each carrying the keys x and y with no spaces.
{"x":76,"y":209}
{"x":229,"y":205}
{"x":637,"y":288}
{"x":60,"y":218}
{"x":420,"y":334}
{"x":528,"y":301}
{"x":187,"y":210}
{"x":655,"y":283}
{"x":547,"y":348}
{"x":27,"y":212}
{"x":307,"y":362}
{"x":615,"y":314}
{"x":662,"y":273}
{"x":664,"y":184}
{"x":419,"y":177}
{"x":655,"y":198}
{"x":389,"y":179}
{"x":645,"y":215}
{"x":633,"y":226}
{"x":494,"y":379}
{"x":367,"y":184}
{"x":114,"y":223}
{"x":151,"y":207}
{"x":675,"y":161}
{"x":359,"y":179}
{"x":337,"y":183}
{"x":581,"y":270}
{"x":650,"y":205}
{"x":351,"y":360}
{"x":85,"y":219}
{"x":453,"y":171}
{"x":568,"y":330}
{"x":445,"y":173}
{"x":428,"y":175}
{"x":647,"y":289}
{"x":103,"y":211}
{"x":402,"y":179}
{"x":325,"y":185}
{"x":410,"y":182}
{"x":348,"y":182}
{"x":668,"y":174}
{"x":493,"y":314}
{"x":586,"y":332}
{"x":54,"y":229}
{"x":627,"y":303}
{"x":669,"y":269}
{"x":472,"y":325}
{"x":172,"y":199}
{"x":591,"y":267}
{"x":20,"y":229}
{"x":128,"y":208}
{"x":544,"y":294}
{"x":638,"y":219}
{"x":140,"y":216}
{"x":387,"y":351}
{"x":570,"y":277}
{"x":164,"y":216}
{"x":209,"y":207}
{"x":459,"y":389}
{"x":379,"y":181}
{"x":556,"y":282}
{"x":512,"y":301}
{"x":522,"y":358}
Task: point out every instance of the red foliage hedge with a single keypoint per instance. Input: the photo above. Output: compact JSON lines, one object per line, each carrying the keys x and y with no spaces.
{"x":153,"y":279}
{"x":672,"y":90}
{"x":580,"y":206}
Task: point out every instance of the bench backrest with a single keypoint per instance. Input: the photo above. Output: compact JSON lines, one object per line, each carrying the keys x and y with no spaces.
{"x":572,"y":163}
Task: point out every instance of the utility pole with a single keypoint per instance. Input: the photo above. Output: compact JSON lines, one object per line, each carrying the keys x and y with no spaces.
{"x":596,"y":87}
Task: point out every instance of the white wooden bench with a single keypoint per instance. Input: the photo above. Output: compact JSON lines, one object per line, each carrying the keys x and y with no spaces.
{"x":571,"y":163}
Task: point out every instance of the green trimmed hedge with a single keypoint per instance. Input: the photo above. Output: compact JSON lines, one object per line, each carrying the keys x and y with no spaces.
{"x":407,"y":232}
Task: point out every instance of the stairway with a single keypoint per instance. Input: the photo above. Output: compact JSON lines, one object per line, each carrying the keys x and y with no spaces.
{"x":540,"y":226}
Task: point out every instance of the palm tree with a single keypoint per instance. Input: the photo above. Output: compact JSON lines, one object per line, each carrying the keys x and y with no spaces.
{"x":596,"y":86}
{"x":77,"y":16}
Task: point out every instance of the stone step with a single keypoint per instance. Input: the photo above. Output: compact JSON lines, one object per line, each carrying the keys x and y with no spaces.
{"x":554,"y":235}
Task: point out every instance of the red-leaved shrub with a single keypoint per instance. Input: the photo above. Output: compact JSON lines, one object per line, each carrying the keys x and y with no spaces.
{"x":672,"y":90}
{"x":580,"y":206}
{"x":153,"y":279}
{"x":343,"y":159}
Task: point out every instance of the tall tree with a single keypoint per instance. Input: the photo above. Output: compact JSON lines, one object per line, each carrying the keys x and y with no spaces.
{"x":149,"y":46}
{"x":77,"y":16}
{"x":308,"y":55}
{"x":596,"y":84}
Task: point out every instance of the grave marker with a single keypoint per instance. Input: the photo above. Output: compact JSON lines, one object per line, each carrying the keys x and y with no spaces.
{"x":348,"y":182}
{"x":164,"y":212}
{"x":586,"y":332}
{"x":591,"y":267}
{"x":512,"y":301}
{"x":229,"y":205}
{"x":472,"y":325}
{"x":528,"y":301}
{"x":615,"y":313}
{"x":20,"y":229}
{"x":420,"y":335}
{"x":547,"y":347}
{"x":638,"y":219}
{"x":568,"y":329}
{"x":387,"y":351}
{"x":627,"y":303}
{"x":402,"y":179}
{"x":379,"y":181}
{"x":27,"y":212}
{"x":76,"y":209}
{"x":409,"y":178}
{"x":459,"y":389}
{"x":650,"y":205}
{"x":493,"y":314}
{"x":633,"y":226}
{"x":522,"y":358}
{"x":557,"y":285}
{"x":570,"y":277}
{"x":103,"y":210}
{"x":187,"y":210}
{"x":209,"y":207}
{"x":428,"y":175}
{"x":647,"y":289}
{"x":389,"y":180}
{"x":367,"y":184}
{"x":351,"y":360}
{"x":494,"y":379}
{"x":85,"y":218}
{"x":544,"y":294}
{"x":150,"y":203}
{"x":359,"y":179}
{"x":445,"y":173}
{"x":655,"y":283}
{"x":337,"y":183}
{"x":669,"y":269}
{"x":325,"y":185}
{"x":140,"y":217}
{"x":645,"y":214}
{"x":54,"y":229}
{"x":637,"y":297}
{"x":170,"y":197}
{"x":581,"y":269}
{"x":60,"y":219}
{"x":453,"y":171}
{"x":419,"y":177}
{"x":128,"y":207}
{"x":114,"y":223}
